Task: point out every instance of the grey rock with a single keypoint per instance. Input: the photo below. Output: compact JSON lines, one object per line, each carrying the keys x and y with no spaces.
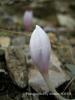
{"x":16,"y":64}
{"x":66,"y":21}
{"x":18,"y":41}
{"x":37,"y":82}
{"x":4,"y":41}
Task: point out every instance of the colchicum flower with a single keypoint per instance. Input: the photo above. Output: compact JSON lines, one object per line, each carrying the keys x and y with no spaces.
{"x":28,"y":15}
{"x":40,"y":50}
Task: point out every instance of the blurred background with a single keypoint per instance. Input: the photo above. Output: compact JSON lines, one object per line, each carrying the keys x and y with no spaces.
{"x":47,"y":13}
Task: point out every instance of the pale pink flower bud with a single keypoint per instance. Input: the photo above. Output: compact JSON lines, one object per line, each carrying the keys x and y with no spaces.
{"x":40,"y":49}
{"x":28,"y":15}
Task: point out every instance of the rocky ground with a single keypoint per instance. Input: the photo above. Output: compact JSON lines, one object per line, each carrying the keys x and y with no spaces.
{"x":19,"y":78}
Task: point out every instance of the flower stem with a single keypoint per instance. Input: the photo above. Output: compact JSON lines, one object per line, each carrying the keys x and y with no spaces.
{"x":52,"y":89}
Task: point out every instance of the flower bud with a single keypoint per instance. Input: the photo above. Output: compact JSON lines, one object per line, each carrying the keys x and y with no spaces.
{"x":28,"y":15}
{"x":40,"y":49}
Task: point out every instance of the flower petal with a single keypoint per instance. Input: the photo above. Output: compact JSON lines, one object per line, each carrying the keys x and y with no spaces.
{"x":40,"y":49}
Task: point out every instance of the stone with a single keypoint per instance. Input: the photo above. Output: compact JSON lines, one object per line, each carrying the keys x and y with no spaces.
{"x":66,"y":21}
{"x":4,"y":41}
{"x":18,"y":41}
{"x":55,"y":64}
{"x":37,"y":82}
{"x":56,"y":74}
{"x":16,"y":65}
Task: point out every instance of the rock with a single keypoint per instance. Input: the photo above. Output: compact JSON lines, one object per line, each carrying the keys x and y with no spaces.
{"x":4,"y":41}
{"x":18,"y":41}
{"x":37,"y":82}
{"x":66,"y":20}
{"x":16,"y":65}
{"x":55,"y":64}
{"x":65,"y":50}
{"x":56,"y":75}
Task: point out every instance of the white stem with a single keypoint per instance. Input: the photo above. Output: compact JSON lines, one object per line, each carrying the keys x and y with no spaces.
{"x":52,"y":89}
